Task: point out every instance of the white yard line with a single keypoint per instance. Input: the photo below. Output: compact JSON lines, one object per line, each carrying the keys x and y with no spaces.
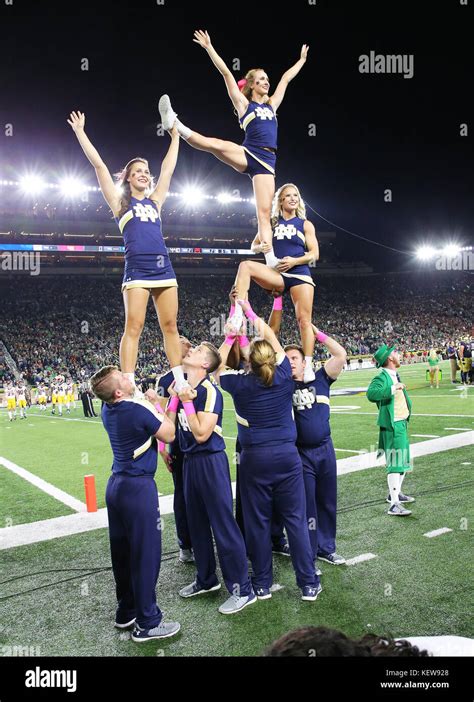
{"x":426,"y":436}
{"x":51,"y":490}
{"x":437,"y":532}
{"x":421,"y":448}
{"x":360,"y":559}
{"x":348,"y":451}
{"x":457,"y":429}
{"x":65,"y":526}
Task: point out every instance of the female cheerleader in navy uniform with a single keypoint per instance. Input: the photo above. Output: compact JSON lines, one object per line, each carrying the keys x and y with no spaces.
{"x":148,"y":268}
{"x":271,"y":472}
{"x":257,"y":117}
{"x":295,"y":244}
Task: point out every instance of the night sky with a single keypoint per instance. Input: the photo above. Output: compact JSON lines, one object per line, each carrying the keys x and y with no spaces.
{"x":373,"y":131}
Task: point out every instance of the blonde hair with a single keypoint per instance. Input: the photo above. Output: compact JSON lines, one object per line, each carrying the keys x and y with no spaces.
{"x":433,"y":353}
{"x":122,"y":182}
{"x":250,"y":77}
{"x":262,"y":359}
{"x":277,"y":200}
{"x":101,"y":384}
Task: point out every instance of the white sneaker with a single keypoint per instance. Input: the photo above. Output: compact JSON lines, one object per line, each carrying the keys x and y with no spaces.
{"x":309,"y":375}
{"x":167,"y":114}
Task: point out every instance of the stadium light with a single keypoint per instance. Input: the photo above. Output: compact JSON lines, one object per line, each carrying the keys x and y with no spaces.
{"x":424,"y":253}
{"x":32,"y":184}
{"x":224,"y":198}
{"x":192,"y":196}
{"x":451,"y":250}
{"x":72,"y":187}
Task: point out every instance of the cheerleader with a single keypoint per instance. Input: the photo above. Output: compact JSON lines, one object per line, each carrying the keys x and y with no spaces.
{"x":296,"y":245}
{"x":148,"y":269}
{"x":256,"y":111}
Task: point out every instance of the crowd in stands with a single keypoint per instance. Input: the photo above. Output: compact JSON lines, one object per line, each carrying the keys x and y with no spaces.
{"x":57,"y":323}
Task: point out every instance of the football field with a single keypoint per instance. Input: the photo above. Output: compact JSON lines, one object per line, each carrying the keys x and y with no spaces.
{"x":56,"y":586}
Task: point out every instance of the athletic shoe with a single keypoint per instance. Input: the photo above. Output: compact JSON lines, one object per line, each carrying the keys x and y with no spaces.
{"x":235,"y":603}
{"x":186,"y":555}
{"x":397,"y":510}
{"x":119,"y":624}
{"x":263,"y":593}
{"x":162,"y":631}
{"x":193,"y":589}
{"x":168,"y":116}
{"x":283,"y":550}
{"x":332,"y":558}
{"x":317,"y":570}
{"x":401,"y":498}
{"x":310,"y":593}
{"x":308,"y":375}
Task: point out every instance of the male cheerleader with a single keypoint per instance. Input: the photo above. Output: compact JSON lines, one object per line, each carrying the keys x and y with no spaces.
{"x":134,"y":426}
{"x":314,"y":444}
{"x":207,"y":486}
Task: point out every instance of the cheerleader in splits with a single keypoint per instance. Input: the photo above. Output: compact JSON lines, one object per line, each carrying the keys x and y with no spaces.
{"x":295,"y":244}
{"x":257,"y":116}
{"x":137,"y":211}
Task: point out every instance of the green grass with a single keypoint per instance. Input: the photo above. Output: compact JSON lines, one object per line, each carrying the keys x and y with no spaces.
{"x":415,"y":586}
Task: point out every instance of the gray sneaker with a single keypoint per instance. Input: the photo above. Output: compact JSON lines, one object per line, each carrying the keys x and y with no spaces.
{"x":235,"y":603}
{"x":162,"y":631}
{"x":167,"y":114}
{"x":397,"y":510}
{"x":186,"y":555}
{"x":193,"y":589}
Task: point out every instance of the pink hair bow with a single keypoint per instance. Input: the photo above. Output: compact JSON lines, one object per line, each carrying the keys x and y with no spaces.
{"x":241,"y":83}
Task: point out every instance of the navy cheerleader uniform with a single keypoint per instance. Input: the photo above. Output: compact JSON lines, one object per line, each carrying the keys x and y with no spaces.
{"x":289,"y":240}
{"x":314,"y":443}
{"x":260,"y":144}
{"x":271,"y":474}
{"x":208,"y":495}
{"x":133,"y":509}
{"x":147,"y":262}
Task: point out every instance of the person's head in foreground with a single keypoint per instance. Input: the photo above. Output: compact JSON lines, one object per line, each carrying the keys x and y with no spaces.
{"x":111,"y":385}
{"x":320,"y":642}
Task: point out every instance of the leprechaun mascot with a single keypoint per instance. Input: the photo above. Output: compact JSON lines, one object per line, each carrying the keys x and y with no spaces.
{"x":394,"y":406}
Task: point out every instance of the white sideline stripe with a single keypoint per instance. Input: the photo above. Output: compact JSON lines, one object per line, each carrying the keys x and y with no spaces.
{"x":360,"y":559}
{"x":24,"y":534}
{"x":437,"y":532}
{"x":47,"y":529}
{"x":55,"y":492}
{"x":457,"y":429}
{"x":348,"y":450}
{"x":426,"y":436}
{"x":417,"y":414}
{"x":467,"y":463}
{"x":421,"y":448}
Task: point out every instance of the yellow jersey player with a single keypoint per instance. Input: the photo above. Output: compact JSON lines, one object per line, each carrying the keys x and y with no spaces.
{"x":21,"y":399}
{"x":10,"y":393}
{"x":54,"y":395}
{"x":62,"y":389}
{"x":70,"y":395}
{"x":42,"y":396}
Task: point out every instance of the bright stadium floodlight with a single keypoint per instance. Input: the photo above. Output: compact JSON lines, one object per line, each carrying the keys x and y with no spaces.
{"x":192,"y":196}
{"x":72,"y":187}
{"x":32,"y":184}
{"x":451,"y":250}
{"x":224,"y":198}
{"x":424,"y":253}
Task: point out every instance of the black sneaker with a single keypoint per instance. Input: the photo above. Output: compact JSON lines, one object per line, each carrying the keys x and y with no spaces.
{"x":263,"y":593}
{"x":332,"y":558}
{"x":282,"y":550}
{"x":162,"y":631}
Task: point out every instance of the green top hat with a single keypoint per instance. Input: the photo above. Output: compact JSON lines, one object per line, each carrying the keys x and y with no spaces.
{"x":382,"y":354}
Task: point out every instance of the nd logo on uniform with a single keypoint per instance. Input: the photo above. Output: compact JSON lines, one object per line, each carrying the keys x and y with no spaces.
{"x":264,"y":113}
{"x":146,"y":212}
{"x":303,"y":398}
{"x":285,"y":231}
